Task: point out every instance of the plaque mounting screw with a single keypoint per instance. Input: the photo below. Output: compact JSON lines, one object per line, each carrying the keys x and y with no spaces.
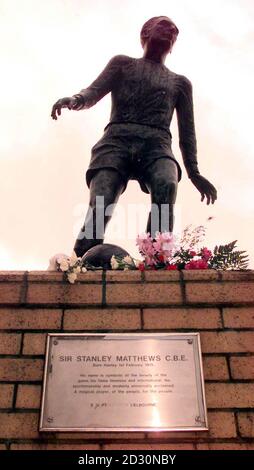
{"x":198,"y":419}
{"x":190,"y":341}
{"x":50,"y":419}
{"x":55,"y":342}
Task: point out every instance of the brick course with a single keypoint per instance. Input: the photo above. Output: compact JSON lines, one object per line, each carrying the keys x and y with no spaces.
{"x":241,"y":317}
{"x":19,"y":369}
{"x":218,"y":305}
{"x":129,"y":294}
{"x":34,"y":343}
{"x":189,"y":318}
{"x":216,"y":292}
{"x":102,"y":319}
{"x":246,"y":424}
{"x":242,"y":367}
{"x":29,"y":396}
{"x":10,"y":343}
{"x":30,"y":319}
{"x":6,"y":395}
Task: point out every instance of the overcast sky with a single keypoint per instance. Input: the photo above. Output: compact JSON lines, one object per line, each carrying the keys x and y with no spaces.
{"x":53,"y":48}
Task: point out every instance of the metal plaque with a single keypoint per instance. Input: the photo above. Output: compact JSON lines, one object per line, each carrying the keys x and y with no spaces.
{"x":123,"y":382}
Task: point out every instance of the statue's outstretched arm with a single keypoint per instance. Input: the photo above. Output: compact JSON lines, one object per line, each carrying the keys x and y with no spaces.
{"x":102,"y":85}
{"x":188,"y":142}
{"x":89,"y":96}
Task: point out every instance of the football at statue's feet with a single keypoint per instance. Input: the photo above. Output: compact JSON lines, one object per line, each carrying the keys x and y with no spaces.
{"x":100,"y":255}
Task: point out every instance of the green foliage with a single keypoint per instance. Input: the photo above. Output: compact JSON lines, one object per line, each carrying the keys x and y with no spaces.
{"x":224,"y":257}
{"x":181,"y":257}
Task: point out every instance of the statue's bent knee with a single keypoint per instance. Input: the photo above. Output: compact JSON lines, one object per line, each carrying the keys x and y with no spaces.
{"x":164,"y":191}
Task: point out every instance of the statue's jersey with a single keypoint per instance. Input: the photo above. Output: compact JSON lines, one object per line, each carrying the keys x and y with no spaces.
{"x":146,"y":93}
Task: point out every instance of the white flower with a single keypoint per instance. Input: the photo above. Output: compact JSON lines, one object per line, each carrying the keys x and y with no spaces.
{"x":128,"y":259}
{"x":64,"y":265}
{"x":55,"y":260}
{"x":72,"y":277}
{"x":77,"y":269}
{"x":73,"y":259}
{"x":114,"y":263}
{"x":83,"y":270}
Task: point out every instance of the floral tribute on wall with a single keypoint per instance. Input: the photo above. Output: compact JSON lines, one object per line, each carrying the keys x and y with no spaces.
{"x":166,"y":251}
{"x":71,"y":266}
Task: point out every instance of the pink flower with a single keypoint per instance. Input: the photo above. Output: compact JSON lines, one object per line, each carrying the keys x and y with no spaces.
{"x":141,"y":266}
{"x":193,"y":253}
{"x":145,"y":245}
{"x":164,"y":244}
{"x":171,"y":267}
{"x":156,"y":250}
{"x":150,"y":261}
{"x":157,"y":245}
{"x":143,"y":239}
{"x":206,"y":254}
{"x":190,"y":265}
{"x":166,"y":236}
{"x":197,"y":264}
{"x":202,"y":264}
{"x":161,"y":238}
{"x":168,"y":246}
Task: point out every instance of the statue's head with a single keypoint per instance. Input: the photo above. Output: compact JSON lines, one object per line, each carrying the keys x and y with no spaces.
{"x":160,"y":31}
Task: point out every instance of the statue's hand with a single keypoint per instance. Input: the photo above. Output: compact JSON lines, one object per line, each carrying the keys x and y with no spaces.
{"x":205,"y":188}
{"x":69,"y":103}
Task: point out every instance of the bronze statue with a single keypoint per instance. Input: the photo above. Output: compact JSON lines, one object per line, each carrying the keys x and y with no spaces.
{"x":136,"y":143}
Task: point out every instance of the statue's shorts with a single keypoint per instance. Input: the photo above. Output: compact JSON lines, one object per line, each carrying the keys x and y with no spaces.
{"x":130,"y":148}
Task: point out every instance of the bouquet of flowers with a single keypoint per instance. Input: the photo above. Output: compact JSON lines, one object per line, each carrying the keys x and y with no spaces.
{"x":70,"y":265}
{"x":167,"y":251}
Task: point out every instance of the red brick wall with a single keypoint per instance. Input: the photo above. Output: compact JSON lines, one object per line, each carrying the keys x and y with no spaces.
{"x":218,"y":305}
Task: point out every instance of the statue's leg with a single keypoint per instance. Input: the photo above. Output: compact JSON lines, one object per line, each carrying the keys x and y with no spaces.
{"x":105,"y":189}
{"x":161,"y":178}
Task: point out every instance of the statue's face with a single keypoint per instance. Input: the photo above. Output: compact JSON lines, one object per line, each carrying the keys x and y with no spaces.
{"x":160,"y":32}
